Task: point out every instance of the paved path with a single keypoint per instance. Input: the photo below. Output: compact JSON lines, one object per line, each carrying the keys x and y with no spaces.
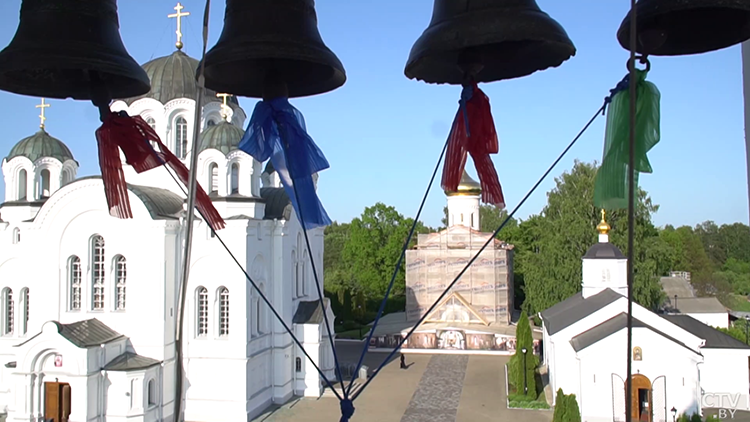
{"x":435,"y":388}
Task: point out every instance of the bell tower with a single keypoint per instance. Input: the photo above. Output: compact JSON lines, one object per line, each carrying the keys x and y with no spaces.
{"x":463,"y":204}
{"x":604,"y":265}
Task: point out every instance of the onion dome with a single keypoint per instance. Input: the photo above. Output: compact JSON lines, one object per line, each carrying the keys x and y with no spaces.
{"x":40,"y":145}
{"x":467,"y":186}
{"x":173,"y":77}
{"x":603,"y":227}
{"x":223,"y":136}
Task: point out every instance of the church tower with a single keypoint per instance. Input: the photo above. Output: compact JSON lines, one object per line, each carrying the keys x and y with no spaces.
{"x":463,"y":204}
{"x":35,"y":168}
{"x":604,"y":265}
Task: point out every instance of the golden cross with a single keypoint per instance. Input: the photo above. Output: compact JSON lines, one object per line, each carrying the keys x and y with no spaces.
{"x":179,"y":15}
{"x":603,"y":214}
{"x":224,"y":105}
{"x":42,"y":106}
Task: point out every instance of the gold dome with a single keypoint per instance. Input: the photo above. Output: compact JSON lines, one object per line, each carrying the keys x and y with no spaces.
{"x":603,"y":227}
{"x":467,"y":186}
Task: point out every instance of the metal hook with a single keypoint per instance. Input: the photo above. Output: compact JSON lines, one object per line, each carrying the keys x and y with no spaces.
{"x":642,"y":59}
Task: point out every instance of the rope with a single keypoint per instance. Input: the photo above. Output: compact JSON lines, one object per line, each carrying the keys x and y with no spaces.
{"x":329,"y":326}
{"x":399,"y":262}
{"x":471,"y":261}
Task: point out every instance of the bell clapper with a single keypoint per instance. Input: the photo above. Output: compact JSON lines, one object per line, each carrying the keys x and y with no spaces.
{"x":100,"y":96}
{"x":274,"y":87}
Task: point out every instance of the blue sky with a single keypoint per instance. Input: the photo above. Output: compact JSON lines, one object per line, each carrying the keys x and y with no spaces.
{"x":382,"y":132}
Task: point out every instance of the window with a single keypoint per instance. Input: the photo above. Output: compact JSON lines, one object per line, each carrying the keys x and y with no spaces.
{"x":298,"y":364}
{"x":16,"y":235}
{"x":472,"y":219}
{"x":181,"y":137}
{"x":22,"y":183}
{"x":151,"y":122}
{"x":44,"y":184}
{"x":235,"y":178}
{"x":299,"y":277}
{"x":9,"y":313}
{"x":151,"y":393}
{"x":210,"y":123}
{"x":294,"y":272}
{"x":25,"y":310}
{"x":121,"y":273}
{"x":223,"y":311}
{"x":202,"y":312}
{"x":66,"y":177}
{"x":260,"y":311}
{"x":97,"y":273}
{"x":304,"y":263}
{"x":258,"y":327}
{"x":213,"y":178}
{"x":74,"y":277}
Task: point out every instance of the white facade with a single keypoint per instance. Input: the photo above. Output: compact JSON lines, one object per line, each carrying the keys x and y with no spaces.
{"x":684,"y":363}
{"x":463,"y":210}
{"x":714,"y":319}
{"x":64,"y":260}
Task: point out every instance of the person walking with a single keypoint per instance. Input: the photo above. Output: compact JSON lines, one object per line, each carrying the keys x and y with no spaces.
{"x":403,"y":361}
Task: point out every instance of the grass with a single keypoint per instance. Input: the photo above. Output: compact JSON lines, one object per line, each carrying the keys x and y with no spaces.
{"x":521,"y":401}
{"x":739,"y":303}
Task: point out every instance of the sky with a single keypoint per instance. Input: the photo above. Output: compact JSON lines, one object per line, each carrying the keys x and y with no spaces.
{"x":383,"y":133}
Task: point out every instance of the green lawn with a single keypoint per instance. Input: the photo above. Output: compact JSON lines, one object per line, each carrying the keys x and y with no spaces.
{"x":738,"y":303}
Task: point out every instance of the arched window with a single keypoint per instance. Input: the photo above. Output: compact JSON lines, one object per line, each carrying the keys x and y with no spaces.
{"x":295,"y":274}
{"x":235,"y":179}
{"x":9,"y":312}
{"x":260,"y":311}
{"x":74,"y":282}
{"x":16,"y":235}
{"x":213,"y":178}
{"x":304,"y":263}
{"x":25,"y":310}
{"x":151,"y":393}
{"x":22,"y":184}
{"x":223,"y":311}
{"x":65,"y":177}
{"x":181,"y":137}
{"x":121,"y":273}
{"x":97,"y":273}
{"x":44,"y":184}
{"x":210,"y":123}
{"x":151,"y":122}
{"x":202,"y":312}
{"x":298,"y":364}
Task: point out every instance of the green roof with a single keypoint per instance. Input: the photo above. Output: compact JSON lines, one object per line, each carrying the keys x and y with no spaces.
{"x":39,"y":145}
{"x":173,"y":77}
{"x":223,"y":136}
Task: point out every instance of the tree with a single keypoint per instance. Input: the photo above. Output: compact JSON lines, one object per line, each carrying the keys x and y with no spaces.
{"x":564,"y":231}
{"x":373,"y":247}
{"x":572,"y":412}
{"x":524,"y":340}
{"x":560,"y":403}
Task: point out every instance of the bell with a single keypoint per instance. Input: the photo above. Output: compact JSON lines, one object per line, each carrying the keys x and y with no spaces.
{"x":496,"y":39}
{"x":276,"y":39}
{"x":683,"y":27}
{"x":60,"y":45}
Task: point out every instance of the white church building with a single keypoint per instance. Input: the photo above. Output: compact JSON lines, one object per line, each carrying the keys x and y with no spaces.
{"x":679,"y":362}
{"x":88,"y":302}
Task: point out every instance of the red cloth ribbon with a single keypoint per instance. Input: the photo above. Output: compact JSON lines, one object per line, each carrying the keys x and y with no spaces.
{"x":144,"y":151}
{"x":479,"y":139}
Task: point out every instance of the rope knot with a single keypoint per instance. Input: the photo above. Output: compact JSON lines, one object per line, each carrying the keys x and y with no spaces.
{"x":466,"y":94}
{"x":347,"y":410}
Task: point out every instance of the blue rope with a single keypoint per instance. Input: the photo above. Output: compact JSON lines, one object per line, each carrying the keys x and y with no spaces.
{"x":621,"y":86}
{"x":398,"y":265}
{"x":347,"y":410}
{"x":247,"y":276}
{"x":329,"y":327}
{"x":466,"y":93}
{"x":471,"y":261}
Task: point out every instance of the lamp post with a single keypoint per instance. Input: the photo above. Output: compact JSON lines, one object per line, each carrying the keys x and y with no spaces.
{"x":674,"y":414}
{"x":675,"y":304}
{"x":525,"y":386}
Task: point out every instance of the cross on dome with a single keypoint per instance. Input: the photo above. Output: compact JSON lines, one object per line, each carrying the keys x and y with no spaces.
{"x":224,"y":106}
{"x":42,"y":118}
{"x":179,"y":15}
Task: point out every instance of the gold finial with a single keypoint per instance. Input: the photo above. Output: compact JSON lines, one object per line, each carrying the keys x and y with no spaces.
{"x":42,"y":106}
{"x":603,"y":227}
{"x":224,"y":105}
{"x":179,"y":15}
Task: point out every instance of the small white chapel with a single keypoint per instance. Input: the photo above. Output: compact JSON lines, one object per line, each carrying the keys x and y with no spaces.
{"x":88,"y":302}
{"x":679,"y":362}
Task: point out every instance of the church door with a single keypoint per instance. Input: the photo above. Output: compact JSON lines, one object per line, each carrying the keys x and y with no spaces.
{"x":641,"y":399}
{"x":56,"y":401}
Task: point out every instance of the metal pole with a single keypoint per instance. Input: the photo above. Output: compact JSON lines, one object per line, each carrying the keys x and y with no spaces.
{"x":191,"y":196}
{"x":525,"y":385}
{"x":746,"y":92}
{"x":631,"y":209}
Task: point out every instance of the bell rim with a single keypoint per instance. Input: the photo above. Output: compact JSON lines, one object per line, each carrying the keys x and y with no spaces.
{"x":650,"y":10}
{"x":39,"y":58}
{"x":559,"y":42}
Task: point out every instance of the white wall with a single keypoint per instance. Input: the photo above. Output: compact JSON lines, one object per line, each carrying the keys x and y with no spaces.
{"x":719,"y":319}
{"x":725,"y":371}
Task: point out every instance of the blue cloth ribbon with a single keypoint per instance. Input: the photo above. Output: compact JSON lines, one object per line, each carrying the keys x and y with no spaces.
{"x":347,"y":410}
{"x":623,"y":85}
{"x":277,"y":131}
{"x":466,"y":95}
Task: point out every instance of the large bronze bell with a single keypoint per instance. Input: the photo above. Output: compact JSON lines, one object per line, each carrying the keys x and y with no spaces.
{"x":60,"y":45}
{"x":682,"y":27}
{"x":498,"y":39}
{"x":276,"y":39}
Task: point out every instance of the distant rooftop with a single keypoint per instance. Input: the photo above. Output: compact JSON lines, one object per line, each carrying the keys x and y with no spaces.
{"x":679,"y":286}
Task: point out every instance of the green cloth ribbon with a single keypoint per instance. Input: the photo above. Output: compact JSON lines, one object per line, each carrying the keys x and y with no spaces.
{"x":611,"y":185}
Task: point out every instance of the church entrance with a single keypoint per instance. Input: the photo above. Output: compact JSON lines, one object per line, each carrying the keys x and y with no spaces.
{"x":56,"y":401}
{"x":641,"y":399}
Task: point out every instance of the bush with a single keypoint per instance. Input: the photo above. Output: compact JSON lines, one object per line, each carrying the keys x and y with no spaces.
{"x":566,"y":408}
{"x":516,"y":364}
{"x":559,"y":406}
